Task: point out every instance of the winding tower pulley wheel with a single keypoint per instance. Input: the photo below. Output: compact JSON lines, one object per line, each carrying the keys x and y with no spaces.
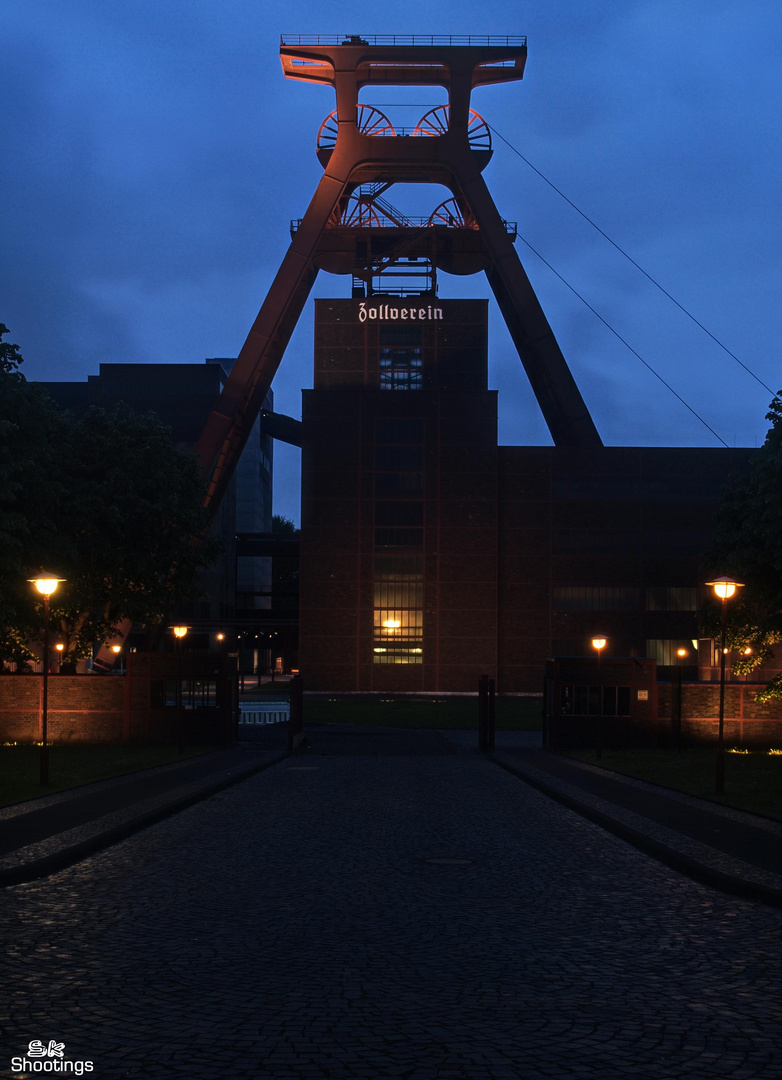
{"x":437,"y":122}
{"x":356,"y":213}
{"x":451,"y":214}
{"x":370,"y":121}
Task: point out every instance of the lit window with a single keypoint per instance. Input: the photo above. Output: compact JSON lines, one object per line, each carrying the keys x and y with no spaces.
{"x":398,"y":610}
{"x":664,"y":650}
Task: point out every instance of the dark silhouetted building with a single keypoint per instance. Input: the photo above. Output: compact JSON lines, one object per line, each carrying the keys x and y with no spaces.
{"x":238,"y":587}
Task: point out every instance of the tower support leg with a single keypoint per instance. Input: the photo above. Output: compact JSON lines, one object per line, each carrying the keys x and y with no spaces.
{"x":560,"y":400}
{"x":228,"y":428}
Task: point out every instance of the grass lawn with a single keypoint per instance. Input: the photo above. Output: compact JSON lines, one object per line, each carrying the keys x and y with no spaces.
{"x":753,"y":781}
{"x":511,"y":713}
{"x":520,"y":714}
{"x":70,"y":766}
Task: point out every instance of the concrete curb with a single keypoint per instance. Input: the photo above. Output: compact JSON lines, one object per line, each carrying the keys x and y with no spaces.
{"x":747,"y":884}
{"x":61,"y":851}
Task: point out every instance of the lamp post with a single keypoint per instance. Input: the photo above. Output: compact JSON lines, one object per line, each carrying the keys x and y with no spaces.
{"x":724,"y":587}
{"x":681,"y":653}
{"x":598,"y":644}
{"x":46,"y":584}
{"x":179,"y":634}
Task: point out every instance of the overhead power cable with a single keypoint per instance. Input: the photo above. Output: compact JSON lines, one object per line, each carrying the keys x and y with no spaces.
{"x":630,"y":259}
{"x":625,"y":343}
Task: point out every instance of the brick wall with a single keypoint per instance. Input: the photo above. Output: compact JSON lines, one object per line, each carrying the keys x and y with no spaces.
{"x":747,"y":723}
{"x":82,"y":708}
{"x":114,"y":709}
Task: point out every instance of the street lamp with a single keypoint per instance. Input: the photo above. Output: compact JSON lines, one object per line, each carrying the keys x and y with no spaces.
{"x":598,"y":644}
{"x":46,"y":584}
{"x":179,"y":634}
{"x":724,"y":587}
{"x":681,"y":653}
{"x":117,"y":649}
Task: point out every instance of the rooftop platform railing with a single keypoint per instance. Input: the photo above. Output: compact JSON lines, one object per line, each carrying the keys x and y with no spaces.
{"x":511,"y":227}
{"x":512,"y":41}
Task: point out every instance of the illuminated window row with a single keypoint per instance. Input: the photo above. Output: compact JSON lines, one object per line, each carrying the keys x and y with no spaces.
{"x":394,"y":655}
{"x":399,"y":594}
{"x":398,"y":624}
{"x":666,"y":651}
{"x":398,"y":609}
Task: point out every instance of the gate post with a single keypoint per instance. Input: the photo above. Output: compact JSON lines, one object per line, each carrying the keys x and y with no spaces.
{"x":483,"y":712}
{"x":490,"y":703}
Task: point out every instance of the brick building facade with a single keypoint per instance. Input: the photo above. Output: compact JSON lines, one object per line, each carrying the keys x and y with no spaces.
{"x":430,"y":555}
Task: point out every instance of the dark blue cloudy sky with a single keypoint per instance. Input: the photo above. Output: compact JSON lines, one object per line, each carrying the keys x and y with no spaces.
{"x":153,"y":156}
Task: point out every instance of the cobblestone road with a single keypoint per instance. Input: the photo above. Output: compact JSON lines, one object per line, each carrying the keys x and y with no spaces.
{"x":426,"y":917}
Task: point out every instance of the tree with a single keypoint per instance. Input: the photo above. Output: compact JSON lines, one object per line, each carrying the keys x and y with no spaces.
{"x":10,"y":355}
{"x":30,"y":432}
{"x":283,"y":526}
{"x":748,"y":546}
{"x":106,"y":502}
{"x":134,"y":526}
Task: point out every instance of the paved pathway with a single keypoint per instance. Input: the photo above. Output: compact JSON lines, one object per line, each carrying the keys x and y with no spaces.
{"x":390,"y":907}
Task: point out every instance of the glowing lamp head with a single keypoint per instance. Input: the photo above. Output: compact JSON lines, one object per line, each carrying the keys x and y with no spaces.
{"x":599,"y":643}
{"x":59,"y":646}
{"x":180,"y":631}
{"x":681,"y":653}
{"x":725,"y":587}
{"x":116,"y":649}
{"x":46,"y":584}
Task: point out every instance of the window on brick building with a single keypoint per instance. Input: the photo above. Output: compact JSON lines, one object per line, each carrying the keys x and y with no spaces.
{"x":576,"y":700}
{"x":401,"y":358}
{"x":196,"y":694}
{"x":398,"y":609}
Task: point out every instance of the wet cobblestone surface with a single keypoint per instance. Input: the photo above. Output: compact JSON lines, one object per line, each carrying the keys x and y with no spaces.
{"x":386,"y":913}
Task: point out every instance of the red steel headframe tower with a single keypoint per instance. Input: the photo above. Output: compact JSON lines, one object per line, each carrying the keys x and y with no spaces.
{"x":345,"y":228}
